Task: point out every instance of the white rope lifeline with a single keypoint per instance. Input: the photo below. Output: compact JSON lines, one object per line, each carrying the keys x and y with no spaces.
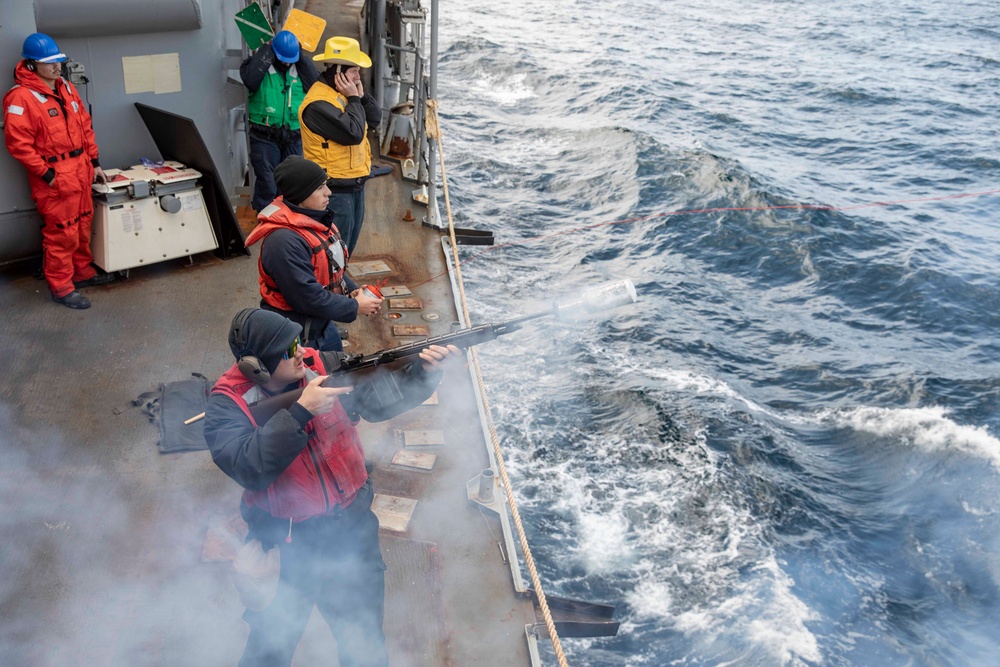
{"x":434,"y":132}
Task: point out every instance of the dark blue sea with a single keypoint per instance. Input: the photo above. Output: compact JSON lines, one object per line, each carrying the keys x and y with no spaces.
{"x":788,"y":451}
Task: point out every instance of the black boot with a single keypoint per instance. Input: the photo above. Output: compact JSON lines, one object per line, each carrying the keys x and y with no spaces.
{"x":73,"y":300}
{"x":95,"y":280}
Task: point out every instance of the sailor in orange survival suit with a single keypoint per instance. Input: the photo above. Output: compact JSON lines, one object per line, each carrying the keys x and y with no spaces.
{"x":307,"y":490}
{"x":47,"y":128}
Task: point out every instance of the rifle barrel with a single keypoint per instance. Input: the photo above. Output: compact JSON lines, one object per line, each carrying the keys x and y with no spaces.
{"x":605,"y":296}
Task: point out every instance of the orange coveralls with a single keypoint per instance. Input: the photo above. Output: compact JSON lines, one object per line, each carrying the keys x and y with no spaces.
{"x":50,"y":133}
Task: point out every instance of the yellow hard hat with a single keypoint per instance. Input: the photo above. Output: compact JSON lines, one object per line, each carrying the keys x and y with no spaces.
{"x":344,"y":51}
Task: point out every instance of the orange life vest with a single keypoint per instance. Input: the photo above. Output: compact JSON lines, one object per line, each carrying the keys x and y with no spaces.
{"x":328,"y":271}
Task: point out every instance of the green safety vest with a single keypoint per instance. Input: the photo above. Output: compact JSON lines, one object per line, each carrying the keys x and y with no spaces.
{"x":274,"y":105}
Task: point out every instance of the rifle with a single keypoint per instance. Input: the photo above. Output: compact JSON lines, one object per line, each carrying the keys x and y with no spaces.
{"x":265,"y":408}
{"x":602,"y":297}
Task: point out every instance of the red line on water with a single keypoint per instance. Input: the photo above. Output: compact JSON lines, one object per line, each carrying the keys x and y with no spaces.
{"x":720,"y":209}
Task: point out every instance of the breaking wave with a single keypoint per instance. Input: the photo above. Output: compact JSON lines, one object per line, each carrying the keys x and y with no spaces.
{"x":928,"y":428}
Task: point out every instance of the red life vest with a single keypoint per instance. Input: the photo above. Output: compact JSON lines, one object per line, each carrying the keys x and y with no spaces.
{"x":328,"y":273}
{"x":327,"y":473}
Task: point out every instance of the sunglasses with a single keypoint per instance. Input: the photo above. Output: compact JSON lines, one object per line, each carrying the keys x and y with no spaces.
{"x":292,"y":349}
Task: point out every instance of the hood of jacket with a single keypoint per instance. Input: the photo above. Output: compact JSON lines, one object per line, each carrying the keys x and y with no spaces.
{"x":28,"y":79}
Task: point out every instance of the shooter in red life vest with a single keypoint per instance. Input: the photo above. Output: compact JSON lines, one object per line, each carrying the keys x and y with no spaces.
{"x":307,"y":490}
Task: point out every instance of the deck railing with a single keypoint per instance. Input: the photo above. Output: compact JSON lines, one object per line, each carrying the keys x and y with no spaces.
{"x":406,"y":74}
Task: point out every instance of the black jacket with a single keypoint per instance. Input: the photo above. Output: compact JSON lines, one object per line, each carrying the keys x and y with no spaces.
{"x":255,"y":457}
{"x":346,"y":127}
{"x":287,"y":258}
{"x":253,"y":69}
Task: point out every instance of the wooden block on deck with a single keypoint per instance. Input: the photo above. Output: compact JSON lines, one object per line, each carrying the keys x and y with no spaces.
{"x":415,"y":460}
{"x":359,"y":270}
{"x":418,"y":330}
{"x":396,"y":290}
{"x":394,"y":513}
{"x":429,"y":438}
{"x":405,"y":304}
{"x":431,"y":400}
{"x":247,"y":218}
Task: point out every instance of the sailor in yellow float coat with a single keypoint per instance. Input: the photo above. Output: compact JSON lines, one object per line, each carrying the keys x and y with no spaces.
{"x":334,"y":118}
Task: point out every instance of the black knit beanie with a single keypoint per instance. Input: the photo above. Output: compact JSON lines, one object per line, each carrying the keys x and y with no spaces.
{"x":262,"y":334}
{"x":297,"y":178}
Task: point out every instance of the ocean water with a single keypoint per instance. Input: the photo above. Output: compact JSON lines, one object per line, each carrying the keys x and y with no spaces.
{"x":788,"y":452}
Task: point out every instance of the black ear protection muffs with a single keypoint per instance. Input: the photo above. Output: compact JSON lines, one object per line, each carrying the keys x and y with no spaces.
{"x":30,"y":64}
{"x":251,"y":367}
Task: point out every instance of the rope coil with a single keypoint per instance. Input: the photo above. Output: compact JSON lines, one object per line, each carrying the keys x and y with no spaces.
{"x":434,"y":131}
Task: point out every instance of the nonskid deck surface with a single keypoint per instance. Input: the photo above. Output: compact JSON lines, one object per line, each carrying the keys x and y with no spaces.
{"x":110,"y":547}
{"x":115,"y":554}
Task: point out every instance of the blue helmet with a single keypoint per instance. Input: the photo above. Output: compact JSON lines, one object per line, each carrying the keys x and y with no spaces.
{"x":41,"y":48}
{"x":286,"y":47}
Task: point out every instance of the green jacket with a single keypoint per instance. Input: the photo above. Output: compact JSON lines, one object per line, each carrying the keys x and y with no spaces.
{"x":276,"y":103}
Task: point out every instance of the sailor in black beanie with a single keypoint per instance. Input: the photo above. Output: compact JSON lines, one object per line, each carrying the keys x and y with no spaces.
{"x":297,"y":178}
{"x":306,"y":487}
{"x":264,"y":336}
{"x":303,"y":261}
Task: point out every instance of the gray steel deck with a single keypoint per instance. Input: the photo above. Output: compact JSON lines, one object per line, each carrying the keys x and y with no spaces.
{"x":103,"y":556}
{"x":115,"y":555}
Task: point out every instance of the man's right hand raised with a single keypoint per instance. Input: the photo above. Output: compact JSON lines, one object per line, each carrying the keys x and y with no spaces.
{"x":346,"y":87}
{"x":319,"y":400}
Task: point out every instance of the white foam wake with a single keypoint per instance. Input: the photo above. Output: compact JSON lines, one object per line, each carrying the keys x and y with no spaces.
{"x":689,"y":381}
{"x":506,"y":90}
{"x":761,"y":612}
{"x":928,"y":428}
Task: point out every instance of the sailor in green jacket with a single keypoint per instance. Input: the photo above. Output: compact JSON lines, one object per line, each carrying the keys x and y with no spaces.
{"x":277,"y":79}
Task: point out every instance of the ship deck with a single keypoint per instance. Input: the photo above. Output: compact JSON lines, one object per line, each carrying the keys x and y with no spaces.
{"x":117,"y":555}
{"x":119,"y":552}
